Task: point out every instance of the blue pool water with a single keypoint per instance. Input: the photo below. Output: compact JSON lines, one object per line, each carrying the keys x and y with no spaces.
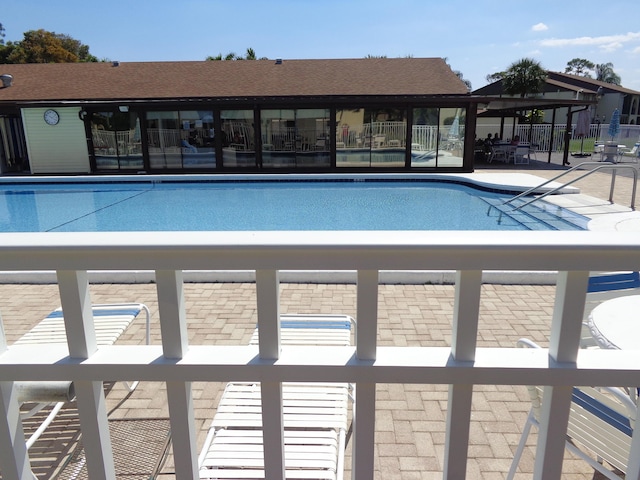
{"x":308,"y":205}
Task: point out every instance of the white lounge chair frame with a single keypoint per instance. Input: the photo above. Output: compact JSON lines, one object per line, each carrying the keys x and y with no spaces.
{"x":110,"y":321}
{"x":601,"y":423}
{"x":315,"y":415}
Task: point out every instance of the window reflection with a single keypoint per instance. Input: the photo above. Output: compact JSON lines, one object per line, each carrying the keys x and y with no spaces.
{"x":181,"y":139}
{"x":116,"y":140}
{"x":437,"y":137}
{"x":295,"y":138}
{"x":371,"y":137}
{"x":238,"y":138}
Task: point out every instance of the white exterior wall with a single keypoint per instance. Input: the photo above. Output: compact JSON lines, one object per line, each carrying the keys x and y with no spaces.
{"x":60,"y":148}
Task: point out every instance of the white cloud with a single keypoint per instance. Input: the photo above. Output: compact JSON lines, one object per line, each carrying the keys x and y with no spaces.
{"x":605,"y":42}
{"x":539,"y":27}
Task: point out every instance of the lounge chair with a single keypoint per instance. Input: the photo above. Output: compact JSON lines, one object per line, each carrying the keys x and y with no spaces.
{"x":110,"y":321}
{"x":314,"y":415}
{"x":601,"y":423}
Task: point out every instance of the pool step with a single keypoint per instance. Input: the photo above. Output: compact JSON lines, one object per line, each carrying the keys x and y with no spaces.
{"x":542,"y":216}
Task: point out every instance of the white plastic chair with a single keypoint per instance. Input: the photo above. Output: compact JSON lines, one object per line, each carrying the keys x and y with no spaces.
{"x":521,"y":155}
{"x":600,"y":427}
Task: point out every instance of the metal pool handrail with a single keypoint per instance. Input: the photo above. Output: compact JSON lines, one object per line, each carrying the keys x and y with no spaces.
{"x":599,"y":166}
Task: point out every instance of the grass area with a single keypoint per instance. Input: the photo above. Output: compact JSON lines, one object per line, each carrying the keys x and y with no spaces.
{"x":587,"y":145}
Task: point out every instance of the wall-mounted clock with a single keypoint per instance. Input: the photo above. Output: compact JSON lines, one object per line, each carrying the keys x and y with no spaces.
{"x":51,"y":117}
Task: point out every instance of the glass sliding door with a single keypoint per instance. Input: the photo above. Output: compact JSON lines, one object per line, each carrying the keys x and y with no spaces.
{"x":238,"y":138}
{"x":437,"y":137}
{"x":163,"y":140}
{"x":295,"y":138}
{"x":197,"y":139}
{"x":181,"y":139}
{"x":278,"y":138}
{"x":313,"y":145}
{"x":371,"y":137}
{"x":116,"y":140}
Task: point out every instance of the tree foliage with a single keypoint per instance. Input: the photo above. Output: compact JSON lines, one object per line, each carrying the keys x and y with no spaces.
{"x":524,"y":77}
{"x":41,"y":46}
{"x":495,"y":77}
{"x":459,"y":74}
{"x":250,"y":55}
{"x":1,"y":34}
{"x":605,"y":73}
{"x":580,"y":66}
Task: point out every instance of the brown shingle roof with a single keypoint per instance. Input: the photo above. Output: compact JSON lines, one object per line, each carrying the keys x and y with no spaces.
{"x":228,"y":79}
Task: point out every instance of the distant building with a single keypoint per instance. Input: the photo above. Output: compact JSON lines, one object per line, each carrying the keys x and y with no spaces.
{"x":562,"y":86}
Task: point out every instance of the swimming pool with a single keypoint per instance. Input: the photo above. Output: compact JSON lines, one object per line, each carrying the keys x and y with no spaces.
{"x":155,"y":204}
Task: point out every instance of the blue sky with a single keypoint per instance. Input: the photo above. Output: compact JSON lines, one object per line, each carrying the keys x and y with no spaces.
{"x":477,"y":37}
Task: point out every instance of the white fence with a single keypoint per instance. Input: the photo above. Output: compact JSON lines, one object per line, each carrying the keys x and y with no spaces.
{"x":541,"y":134}
{"x":461,"y":365}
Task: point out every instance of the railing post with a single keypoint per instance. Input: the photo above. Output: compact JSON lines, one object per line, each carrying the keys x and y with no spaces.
{"x":268,"y":303}
{"x":366,"y":345}
{"x":14,"y":456}
{"x":81,"y":339}
{"x":564,"y":343}
{"x":463,"y":349}
{"x":175,"y":343}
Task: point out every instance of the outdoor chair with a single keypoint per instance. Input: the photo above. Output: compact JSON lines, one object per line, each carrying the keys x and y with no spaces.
{"x":315,"y":415}
{"x":600,"y":427}
{"x":110,"y":321}
{"x":521,"y":155}
{"x":498,"y":154}
{"x":633,"y":152}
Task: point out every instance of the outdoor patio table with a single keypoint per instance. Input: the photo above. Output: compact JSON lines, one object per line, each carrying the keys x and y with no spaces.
{"x":616,"y":323}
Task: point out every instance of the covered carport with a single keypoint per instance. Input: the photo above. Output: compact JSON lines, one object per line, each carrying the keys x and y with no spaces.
{"x":516,"y":108}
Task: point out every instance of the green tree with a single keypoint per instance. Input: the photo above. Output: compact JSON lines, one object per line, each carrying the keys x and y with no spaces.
{"x":524,"y":77}
{"x":1,"y":34}
{"x":41,"y":46}
{"x":495,"y":77}
{"x":605,"y":73}
{"x":250,"y":55}
{"x":458,"y":74}
{"x":580,"y":66}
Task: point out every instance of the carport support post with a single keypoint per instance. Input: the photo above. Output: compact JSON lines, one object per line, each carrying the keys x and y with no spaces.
{"x":553,"y":129}
{"x":567,"y":137}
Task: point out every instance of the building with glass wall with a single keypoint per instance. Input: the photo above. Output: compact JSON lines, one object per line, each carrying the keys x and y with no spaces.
{"x":363,"y":115}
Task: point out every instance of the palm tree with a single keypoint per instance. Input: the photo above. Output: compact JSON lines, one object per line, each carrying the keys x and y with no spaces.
{"x":524,"y":77}
{"x":251,"y":55}
{"x":605,"y":73}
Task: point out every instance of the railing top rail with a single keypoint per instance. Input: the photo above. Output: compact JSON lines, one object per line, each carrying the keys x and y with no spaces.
{"x":386,"y":250}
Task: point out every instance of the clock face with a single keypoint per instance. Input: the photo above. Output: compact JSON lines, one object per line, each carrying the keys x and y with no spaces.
{"x":51,"y":117}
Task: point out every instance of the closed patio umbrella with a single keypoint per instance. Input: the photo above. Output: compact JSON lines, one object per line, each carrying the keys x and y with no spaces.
{"x":614,"y":125}
{"x":582,"y":130}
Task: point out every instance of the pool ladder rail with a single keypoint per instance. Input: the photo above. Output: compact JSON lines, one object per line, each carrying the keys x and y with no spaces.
{"x":598,"y":166}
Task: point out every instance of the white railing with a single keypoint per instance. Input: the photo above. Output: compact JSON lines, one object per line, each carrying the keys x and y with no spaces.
{"x":540,"y":134}
{"x":175,"y":362}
